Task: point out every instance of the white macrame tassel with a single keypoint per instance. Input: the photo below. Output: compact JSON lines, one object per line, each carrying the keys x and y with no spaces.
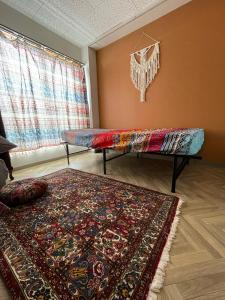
{"x":144,"y":72}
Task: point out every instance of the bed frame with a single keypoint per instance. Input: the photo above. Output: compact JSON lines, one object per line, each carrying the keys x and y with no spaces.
{"x":179,"y":161}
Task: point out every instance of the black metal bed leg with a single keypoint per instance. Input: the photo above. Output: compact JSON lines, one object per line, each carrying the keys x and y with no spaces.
{"x":174,"y":176}
{"x":67,"y":153}
{"x":104,"y":160}
{"x":10,"y":174}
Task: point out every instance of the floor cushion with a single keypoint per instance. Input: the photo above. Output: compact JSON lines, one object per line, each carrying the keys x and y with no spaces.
{"x":3,"y":209}
{"x":22,"y":191}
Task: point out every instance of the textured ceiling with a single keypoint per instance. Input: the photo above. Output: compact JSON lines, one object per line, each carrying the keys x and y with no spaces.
{"x":83,"y":22}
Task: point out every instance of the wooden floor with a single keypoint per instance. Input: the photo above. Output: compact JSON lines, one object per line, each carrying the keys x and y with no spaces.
{"x":197,"y":267}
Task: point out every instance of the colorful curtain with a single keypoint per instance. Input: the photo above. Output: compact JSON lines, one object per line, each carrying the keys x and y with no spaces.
{"x":40,"y":95}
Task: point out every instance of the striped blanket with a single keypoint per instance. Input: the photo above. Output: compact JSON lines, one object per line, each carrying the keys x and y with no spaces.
{"x":186,"y":141}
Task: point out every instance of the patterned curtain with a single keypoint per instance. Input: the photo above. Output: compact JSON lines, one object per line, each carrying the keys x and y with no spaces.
{"x":40,"y":95}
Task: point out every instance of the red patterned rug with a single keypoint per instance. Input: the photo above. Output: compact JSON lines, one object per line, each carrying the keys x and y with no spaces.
{"x":88,"y":237}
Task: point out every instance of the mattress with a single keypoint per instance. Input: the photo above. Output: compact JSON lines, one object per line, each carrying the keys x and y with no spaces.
{"x":183,"y":141}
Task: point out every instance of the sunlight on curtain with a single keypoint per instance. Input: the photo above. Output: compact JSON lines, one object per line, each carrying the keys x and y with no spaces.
{"x":39,"y":95}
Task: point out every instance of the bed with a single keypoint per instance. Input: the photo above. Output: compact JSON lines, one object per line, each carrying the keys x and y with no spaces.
{"x":182,"y":144}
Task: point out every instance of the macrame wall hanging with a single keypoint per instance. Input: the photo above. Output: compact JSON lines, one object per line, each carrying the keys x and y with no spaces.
{"x":144,"y":66}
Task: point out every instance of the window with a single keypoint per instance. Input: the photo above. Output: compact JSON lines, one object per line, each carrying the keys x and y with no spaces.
{"x":41,"y":93}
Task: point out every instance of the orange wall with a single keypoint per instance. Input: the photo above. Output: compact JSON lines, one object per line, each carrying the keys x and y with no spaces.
{"x":189,"y":89}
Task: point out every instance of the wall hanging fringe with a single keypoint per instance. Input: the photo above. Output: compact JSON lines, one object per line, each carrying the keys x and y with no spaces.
{"x":144,"y":71}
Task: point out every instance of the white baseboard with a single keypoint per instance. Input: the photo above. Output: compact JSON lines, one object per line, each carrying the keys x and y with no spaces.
{"x":23,"y":159}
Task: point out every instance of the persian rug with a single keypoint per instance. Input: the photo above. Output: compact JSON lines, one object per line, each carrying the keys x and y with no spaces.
{"x":88,"y":237}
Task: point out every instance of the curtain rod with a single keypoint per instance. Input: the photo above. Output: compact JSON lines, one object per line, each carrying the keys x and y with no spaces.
{"x":39,"y":44}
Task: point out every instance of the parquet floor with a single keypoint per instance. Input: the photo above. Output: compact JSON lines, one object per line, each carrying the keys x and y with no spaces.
{"x":197,"y":266}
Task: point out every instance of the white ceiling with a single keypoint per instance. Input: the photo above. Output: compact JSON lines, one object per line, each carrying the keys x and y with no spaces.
{"x":90,"y":22}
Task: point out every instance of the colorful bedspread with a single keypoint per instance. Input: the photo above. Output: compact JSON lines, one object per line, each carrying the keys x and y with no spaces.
{"x":186,"y":141}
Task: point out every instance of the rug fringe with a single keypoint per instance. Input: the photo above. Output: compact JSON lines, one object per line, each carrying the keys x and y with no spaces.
{"x":159,"y":277}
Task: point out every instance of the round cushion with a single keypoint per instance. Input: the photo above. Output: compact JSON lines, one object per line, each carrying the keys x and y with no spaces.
{"x":22,"y":191}
{"x":4,"y":209}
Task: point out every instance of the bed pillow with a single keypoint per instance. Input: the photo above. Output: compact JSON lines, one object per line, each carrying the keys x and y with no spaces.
{"x":3,"y":209}
{"x":22,"y":191}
